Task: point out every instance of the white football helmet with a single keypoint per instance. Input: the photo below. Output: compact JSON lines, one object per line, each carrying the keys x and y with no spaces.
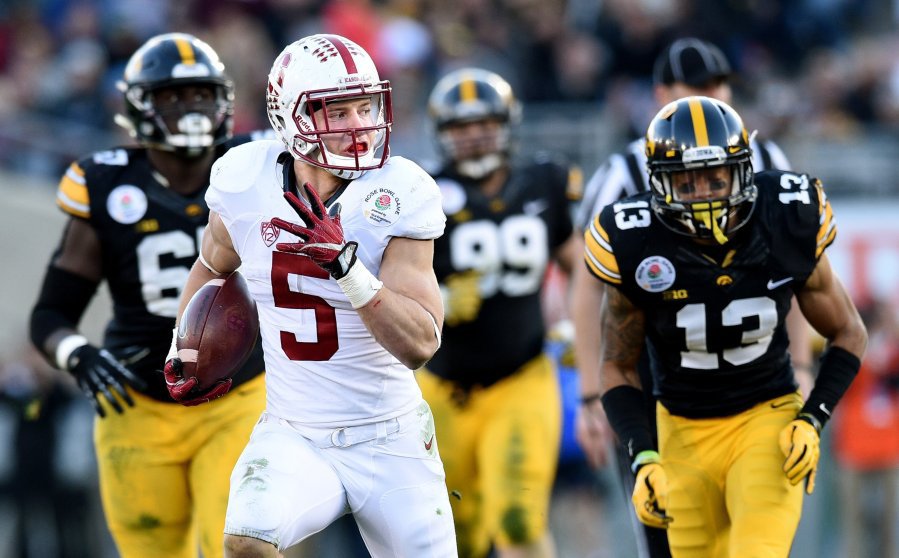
{"x":312,"y":73}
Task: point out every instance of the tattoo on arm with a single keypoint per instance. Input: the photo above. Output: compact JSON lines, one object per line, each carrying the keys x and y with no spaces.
{"x":623,"y":332}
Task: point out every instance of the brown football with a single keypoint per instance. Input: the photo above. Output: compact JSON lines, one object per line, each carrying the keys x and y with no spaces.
{"x":218,"y":330}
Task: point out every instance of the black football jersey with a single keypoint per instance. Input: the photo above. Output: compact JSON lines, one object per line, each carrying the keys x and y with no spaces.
{"x":509,"y":240}
{"x":715,"y":314}
{"x":150,"y":238}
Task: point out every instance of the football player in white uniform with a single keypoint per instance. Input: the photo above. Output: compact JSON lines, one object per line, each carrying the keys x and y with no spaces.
{"x":335,"y":239}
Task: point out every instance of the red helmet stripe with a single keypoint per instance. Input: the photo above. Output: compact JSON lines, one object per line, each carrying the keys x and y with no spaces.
{"x":344,"y":53}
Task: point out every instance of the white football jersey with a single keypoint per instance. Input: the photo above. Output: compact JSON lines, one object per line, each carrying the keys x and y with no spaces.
{"x":322,"y":365}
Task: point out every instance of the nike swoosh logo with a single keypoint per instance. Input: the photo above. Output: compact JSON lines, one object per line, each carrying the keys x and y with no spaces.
{"x":779,"y":405}
{"x":824,"y":408}
{"x":774,"y":284}
{"x":429,"y":443}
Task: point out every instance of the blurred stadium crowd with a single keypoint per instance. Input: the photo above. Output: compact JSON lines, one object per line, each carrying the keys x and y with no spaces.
{"x":820,"y":76}
{"x":809,"y":68}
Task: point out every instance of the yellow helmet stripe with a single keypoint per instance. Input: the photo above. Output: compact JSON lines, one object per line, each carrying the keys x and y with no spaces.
{"x":700,"y":130}
{"x":468,"y":90}
{"x":186,"y":51}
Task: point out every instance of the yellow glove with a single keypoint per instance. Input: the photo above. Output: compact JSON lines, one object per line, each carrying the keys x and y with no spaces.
{"x":799,"y":442}
{"x":650,"y":496}
{"x":461,"y":297}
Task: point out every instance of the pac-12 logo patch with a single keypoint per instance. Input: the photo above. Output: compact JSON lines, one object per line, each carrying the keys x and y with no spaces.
{"x":655,"y":274}
{"x":269,"y":233}
{"x":126,"y":204}
{"x":381,"y":207}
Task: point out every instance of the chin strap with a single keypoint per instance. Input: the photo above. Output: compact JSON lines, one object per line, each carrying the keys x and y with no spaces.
{"x":708,"y":214}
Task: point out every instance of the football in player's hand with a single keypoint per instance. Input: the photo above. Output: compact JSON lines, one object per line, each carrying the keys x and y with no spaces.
{"x":218,"y":330}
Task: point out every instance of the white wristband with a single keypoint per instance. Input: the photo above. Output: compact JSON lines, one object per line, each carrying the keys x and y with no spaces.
{"x":173,"y":349}
{"x":359,"y":285}
{"x":66,"y":347}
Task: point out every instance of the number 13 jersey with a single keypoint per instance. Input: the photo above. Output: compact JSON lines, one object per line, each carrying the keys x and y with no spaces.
{"x":715,"y":314}
{"x":323,"y":366}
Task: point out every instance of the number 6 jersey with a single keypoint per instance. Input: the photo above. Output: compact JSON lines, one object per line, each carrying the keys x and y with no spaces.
{"x":323,"y":366}
{"x":715,"y":314}
{"x":149,"y":236}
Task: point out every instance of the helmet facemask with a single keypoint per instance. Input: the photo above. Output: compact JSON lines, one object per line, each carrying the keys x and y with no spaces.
{"x":476,"y":155}
{"x":189,"y":127}
{"x":474,"y":95}
{"x":177,"y":96}
{"x":317,"y":116}
{"x":311,"y":80}
{"x":714,"y":217}
{"x":700,"y":169}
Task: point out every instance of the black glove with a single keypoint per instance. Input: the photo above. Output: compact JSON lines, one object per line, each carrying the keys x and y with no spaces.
{"x":97,"y":371}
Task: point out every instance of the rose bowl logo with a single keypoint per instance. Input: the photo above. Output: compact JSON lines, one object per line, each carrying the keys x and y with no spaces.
{"x":655,"y":274}
{"x":381,"y":207}
{"x":383,"y":202}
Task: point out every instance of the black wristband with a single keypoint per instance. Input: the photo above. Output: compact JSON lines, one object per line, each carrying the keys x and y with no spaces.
{"x":625,"y":409}
{"x":837,"y":370}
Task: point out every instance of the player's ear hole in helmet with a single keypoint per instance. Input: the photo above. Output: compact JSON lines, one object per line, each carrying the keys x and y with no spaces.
{"x":177,"y":95}
{"x":473,"y":115}
{"x":700,"y":166}
{"x":312,"y":83}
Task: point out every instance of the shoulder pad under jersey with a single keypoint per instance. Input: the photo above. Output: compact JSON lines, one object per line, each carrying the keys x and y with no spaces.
{"x":404,"y":182}
{"x":240,"y":167}
{"x":796,"y":204}
{"x":72,"y":193}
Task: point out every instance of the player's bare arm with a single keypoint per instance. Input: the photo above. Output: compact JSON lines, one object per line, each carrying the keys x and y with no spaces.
{"x":570,"y":253}
{"x":218,"y":253}
{"x":591,"y":426}
{"x":586,"y":297}
{"x":623,"y":330}
{"x":828,"y":308}
{"x":400,"y":315}
{"x":800,"y":336}
{"x":80,"y":251}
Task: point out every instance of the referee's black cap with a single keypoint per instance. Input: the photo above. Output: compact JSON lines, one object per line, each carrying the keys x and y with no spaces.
{"x":691,"y":61}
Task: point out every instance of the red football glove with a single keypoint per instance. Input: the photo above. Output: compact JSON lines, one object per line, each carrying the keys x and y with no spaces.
{"x":182,"y":389}
{"x":322,"y":236}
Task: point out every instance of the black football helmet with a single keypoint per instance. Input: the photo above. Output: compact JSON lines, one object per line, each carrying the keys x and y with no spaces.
{"x":189,"y":127}
{"x":697,"y":133}
{"x":467,"y":95}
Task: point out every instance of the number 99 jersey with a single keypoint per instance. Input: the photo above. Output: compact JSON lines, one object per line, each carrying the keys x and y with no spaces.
{"x":715,"y":314}
{"x":508,"y":240}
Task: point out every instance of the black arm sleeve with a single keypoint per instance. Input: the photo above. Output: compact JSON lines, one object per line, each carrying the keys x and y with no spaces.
{"x":624,"y":406}
{"x":63,"y":299}
{"x":837,"y":370}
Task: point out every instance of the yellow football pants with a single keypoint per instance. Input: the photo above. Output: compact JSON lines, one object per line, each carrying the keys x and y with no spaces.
{"x":500,"y":450}
{"x":727,"y":493}
{"x":165,"y":469}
